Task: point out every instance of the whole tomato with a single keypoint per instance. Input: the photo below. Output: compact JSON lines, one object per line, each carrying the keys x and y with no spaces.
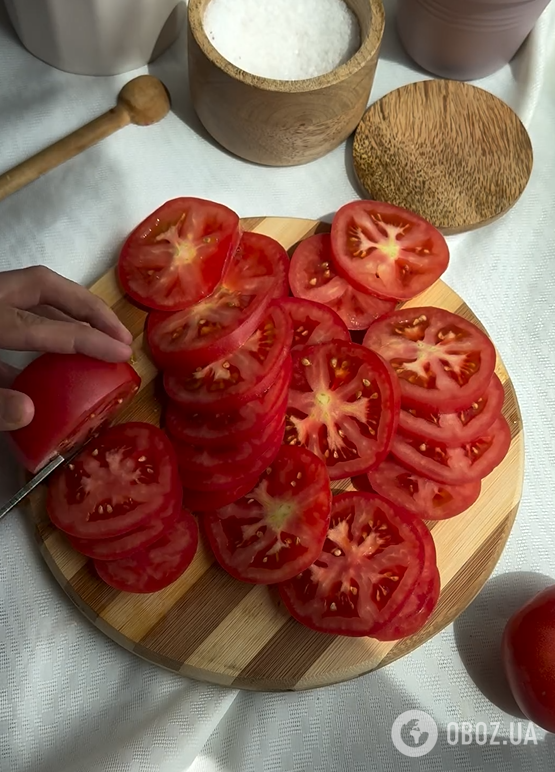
{"x":529,"y":658}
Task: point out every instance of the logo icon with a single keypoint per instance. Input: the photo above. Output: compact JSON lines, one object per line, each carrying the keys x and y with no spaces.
{"x":414,"y":733}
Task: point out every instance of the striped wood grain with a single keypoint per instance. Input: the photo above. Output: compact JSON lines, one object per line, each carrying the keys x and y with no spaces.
{"x":211,"y":627}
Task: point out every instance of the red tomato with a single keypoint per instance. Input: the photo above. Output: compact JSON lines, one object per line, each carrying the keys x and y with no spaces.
{"x":343,"y":406}
{"x":123,"y":546}
{"x":313,"y":323}
{"x":443,"y":361}
{"x":213,"y":429}
{"x":455,"y":428}
{"x":386,"y":250}
{"x":207,"y":501}
{"x":529,"y":658}
{"x":312,"y":276}
{"x":177,"y":255}
{"x":423,"y":497}
{"x":242,"y":376}
{"x":372,"y":559}
{"x":152,"y":568}
{"x":73,"y":396}
{"x":120,"y":481}
{"x":457,"y":465}
{"x":217,"y":325}
{"x":279,"y":528}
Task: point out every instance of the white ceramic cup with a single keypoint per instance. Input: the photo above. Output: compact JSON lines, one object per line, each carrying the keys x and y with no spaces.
{"x":97,"y":37}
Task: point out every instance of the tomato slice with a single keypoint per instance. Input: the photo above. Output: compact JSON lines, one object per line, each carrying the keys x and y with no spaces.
{"x":343,"y":406}
{"x":455,"y":428}
{"x":177,"y":255}
{"x":386,"y":250}
{"x":242,"y":376}
{"x":121,"y":480}
{"x":313,"y":322}
{"x":152,"y":568}
{"x":312,"y":276}
{"x":123,"y":546}
{"x":217,"y":325}
{"x":279,"y":528}
{"x":213,"y":429}
{"x":73,"y":396}
{"x":426,"y":498}
{"x":458,"y":465}
{"x":423,"y":600}
{"x":207,"y":501}
{"x":371,"y":561}
{"x":443,"y":361}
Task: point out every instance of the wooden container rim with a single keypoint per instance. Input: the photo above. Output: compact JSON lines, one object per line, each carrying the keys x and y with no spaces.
{"x":367,"y":50}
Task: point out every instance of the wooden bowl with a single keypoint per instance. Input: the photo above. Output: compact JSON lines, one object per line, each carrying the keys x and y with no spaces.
{"x":282,"y":122}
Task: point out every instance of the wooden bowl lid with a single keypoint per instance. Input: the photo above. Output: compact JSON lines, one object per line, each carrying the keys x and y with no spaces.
{"x":451,"y":152}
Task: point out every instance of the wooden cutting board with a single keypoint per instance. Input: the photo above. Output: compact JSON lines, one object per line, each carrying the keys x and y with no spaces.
{"x":211,"y":627}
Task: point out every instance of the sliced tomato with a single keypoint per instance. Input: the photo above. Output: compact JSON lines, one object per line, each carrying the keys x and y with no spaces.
{"x":178,"y":254}
{"x":371,"y":561}
{"x":242,"y":376}
{"x":343,"y":406}
{"x":423,"y":600}
{"x":313,"y":322}
{"x":426,"y":498}
{"x":217,"y":325}
{"x":157,"y":566}
{"x":123,"y":546}
{"x":455,"y":428}
{"x":312,"y":276}
{"x":442,"y":361}
{"x":73,"y":396}
{"x":386,"y":250}
{"x":213,"y":429}
{"x":458,"y":465}
{"x":279,"y":528}
{"x":121,"y":480}
{"x":207,"y":501}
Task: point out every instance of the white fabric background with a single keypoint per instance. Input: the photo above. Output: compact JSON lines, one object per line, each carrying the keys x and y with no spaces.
{"x":70,"y":699}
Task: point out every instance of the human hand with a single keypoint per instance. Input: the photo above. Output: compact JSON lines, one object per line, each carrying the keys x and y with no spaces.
{"x":42,"y":311}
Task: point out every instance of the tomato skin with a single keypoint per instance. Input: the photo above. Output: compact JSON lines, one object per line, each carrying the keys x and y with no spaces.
{"x":177,"y":255}
{"x":528,"y":653}
{"x":443,"y":361}
{"x":290,"y":507}
{"x":414,"y":253}
{"x":208,"y":501}
{"x":120,"y":481}
{"x":313,"y":323}
{"x":67,"y":389}
{"x":155,"y":567}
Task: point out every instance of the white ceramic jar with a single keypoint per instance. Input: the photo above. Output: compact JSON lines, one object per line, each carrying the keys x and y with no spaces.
{"x":97,"y":37}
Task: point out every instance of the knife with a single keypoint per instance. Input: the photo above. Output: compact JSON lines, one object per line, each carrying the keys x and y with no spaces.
{"x":47,"y":470}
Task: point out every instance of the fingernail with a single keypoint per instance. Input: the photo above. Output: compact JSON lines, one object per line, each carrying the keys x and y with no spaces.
{"x":16,"y":411}
{"x":126,"y":336}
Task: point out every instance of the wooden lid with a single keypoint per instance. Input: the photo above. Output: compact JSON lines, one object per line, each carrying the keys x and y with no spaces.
{"x":453,"y":153}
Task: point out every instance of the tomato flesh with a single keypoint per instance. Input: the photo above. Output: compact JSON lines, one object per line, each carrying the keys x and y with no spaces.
{"x":343,"y":406}
{"x":443,"y":361}
{"x":426,"y":498}
{"x":73,"y":395}
{"x":386,"y":250}
{"x":242,"y":376}
{"x":372,"y":558}
{"x":177,"y":255}
{"x":313,"y":323}
{"x":278,"y":529}
{"x":121,"y":480}
{"x":155,"y":567}
{"x":457,"y":465}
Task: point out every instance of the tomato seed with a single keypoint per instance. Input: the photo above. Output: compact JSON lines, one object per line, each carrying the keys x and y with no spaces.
{"x":100,"y":510}
{"x":299,"y":475}
{"x":333,"y":607}
{"x":141,"y":459}
{"x":293,"y":484}
{"x":333,"y":363}
{"x":306,"y":362}
{"x":109,"y":509}
{"x":365,"y":382}
{"x":337,"y":553}
{"x":313,"y":282}
{"x":95,"y":452}
{"x":259,"y":534}
{"x":71,"y":467}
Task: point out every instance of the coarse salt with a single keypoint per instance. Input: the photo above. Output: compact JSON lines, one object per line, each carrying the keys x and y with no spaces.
{"x":283,"y":39}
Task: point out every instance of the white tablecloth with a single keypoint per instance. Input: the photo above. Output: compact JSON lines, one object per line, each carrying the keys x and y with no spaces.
{"x":70,"y":699}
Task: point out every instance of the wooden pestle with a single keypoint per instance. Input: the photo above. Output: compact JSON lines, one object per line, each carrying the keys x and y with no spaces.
{"x":143,"y":101}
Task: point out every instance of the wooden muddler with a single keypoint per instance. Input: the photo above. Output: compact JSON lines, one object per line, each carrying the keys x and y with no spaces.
{"x":143,"y":101}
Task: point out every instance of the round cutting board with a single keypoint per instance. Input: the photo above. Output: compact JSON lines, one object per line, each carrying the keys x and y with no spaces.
{"x":211,"y":627}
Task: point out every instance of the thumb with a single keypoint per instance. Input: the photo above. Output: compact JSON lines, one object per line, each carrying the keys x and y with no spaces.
{"x":16,"y":410}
